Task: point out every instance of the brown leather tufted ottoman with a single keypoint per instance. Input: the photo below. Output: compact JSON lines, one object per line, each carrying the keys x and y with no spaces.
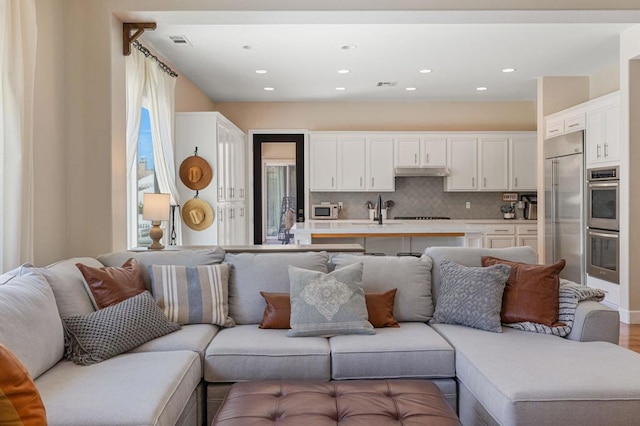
{"x":351,"y":402}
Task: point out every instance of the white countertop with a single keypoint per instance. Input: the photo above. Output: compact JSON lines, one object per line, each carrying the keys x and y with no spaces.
{"x":392,"y":226}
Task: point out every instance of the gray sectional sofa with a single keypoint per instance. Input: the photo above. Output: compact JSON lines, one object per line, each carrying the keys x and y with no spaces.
{"x":509,"y":378}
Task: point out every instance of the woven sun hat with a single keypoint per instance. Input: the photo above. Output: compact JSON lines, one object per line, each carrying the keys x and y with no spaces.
{"x":197,"y":214}
{"x":195,"y":172}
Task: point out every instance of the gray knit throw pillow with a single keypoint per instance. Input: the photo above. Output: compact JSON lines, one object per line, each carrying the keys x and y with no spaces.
{"x":471,"y":296}
{"x":105,"y":333}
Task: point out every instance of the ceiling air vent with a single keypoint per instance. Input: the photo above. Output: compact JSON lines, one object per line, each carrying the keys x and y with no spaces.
{"x":387,"y":83}
{"x":179,"y":39}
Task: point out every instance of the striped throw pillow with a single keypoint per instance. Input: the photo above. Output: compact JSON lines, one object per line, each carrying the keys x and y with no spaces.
{"x":193,"y":294}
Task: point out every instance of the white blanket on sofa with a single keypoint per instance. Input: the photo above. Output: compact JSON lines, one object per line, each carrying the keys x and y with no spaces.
{"x":570,"y":294}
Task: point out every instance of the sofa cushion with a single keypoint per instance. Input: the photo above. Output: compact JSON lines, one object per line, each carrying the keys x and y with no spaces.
{"x":30,"y":325}
{"x":69,"y":285}
{"x":247,"y":352}
{"x":278,"y":310}
{"x":469,"y":256}
{"x":192,"y":337}
{"x":471,"y":296}
{"x":108,"y":285}
{"x":105,"y":333}
{"x":532,"y":292}
{"x":150,"y":388}
{"x":412,"y":351}
{"x":211,"y":256}
{"x":193,"y":294}
{"x":410,"y":275}
{"x":20,"y":402}
{"x":524,"y":378}
{"x":251,"y":273}
{"x":328,"y":304}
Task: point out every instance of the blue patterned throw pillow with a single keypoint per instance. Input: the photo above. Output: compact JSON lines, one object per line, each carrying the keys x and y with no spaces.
{"x":328,"y":304}
{"x":471,"y":296}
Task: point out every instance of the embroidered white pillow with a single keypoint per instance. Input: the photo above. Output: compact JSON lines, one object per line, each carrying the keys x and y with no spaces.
{"x":193,"y":294}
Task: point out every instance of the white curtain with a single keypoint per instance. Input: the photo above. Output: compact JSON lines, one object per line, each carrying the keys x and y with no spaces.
{"x":148,"y":85}
{"x":18,"y":36}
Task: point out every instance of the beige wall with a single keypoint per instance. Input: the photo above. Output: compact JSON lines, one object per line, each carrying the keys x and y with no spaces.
{"x":381,"y":116}
{"x":607,"y":80}
{"x":189,"y":97}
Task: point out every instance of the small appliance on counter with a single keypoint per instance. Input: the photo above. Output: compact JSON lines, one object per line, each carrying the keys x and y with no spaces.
{"x":325,"y":210}
{"x":530,"y":206}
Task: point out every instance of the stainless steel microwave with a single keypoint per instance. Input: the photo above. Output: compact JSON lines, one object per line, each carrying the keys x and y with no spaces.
{"x":324,"y":211}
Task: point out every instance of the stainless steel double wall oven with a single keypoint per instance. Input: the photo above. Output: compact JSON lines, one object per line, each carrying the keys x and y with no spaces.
{"x":603,"y":223}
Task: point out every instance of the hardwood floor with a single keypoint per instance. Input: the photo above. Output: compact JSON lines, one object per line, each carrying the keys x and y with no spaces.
{"x":630,"y":336}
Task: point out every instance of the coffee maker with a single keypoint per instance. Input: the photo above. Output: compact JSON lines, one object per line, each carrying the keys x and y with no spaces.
{"x":531,"y":206}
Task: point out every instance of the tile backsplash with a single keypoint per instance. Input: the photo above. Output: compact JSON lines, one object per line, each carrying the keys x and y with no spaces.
{"x":418,"y":196}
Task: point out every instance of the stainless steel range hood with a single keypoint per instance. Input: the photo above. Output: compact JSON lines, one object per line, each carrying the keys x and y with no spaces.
{"x":422,"y":171}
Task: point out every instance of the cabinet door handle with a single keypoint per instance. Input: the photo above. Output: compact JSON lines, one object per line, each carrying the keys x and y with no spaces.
{"x":332,"y":182}
{"x":415,"y":158}
{"x":516,"y":182}
{"x":220,"y":193}
{"x":484,"y":182}
{"x":554,"y":130}
{"x":360,"y":181}
{"x":501,"y":230}
{"x":373,"y":182}
{"x":606,"y":150}
{"x":573,"y":125}
{"x":598,"y":151}
{"x":427,"y":158}
{"x":473,"y":181}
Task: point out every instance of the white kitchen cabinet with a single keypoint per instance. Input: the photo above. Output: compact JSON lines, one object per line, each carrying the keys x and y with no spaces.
{"x":527,"y":235}
{"x":222,"y":145}
{"x":323,"y":162}
{"x":351,"y":163}
{"x":493,"y":164}
{"x":416,"y":151}
{"x":603,"y":135}
{"x":499,"y":241}
{"x":463,"y":162}
{"x":379,"y":164}
{"x":506,"y":235}
{"x":523,"y":171}
{"x":564,"y":122}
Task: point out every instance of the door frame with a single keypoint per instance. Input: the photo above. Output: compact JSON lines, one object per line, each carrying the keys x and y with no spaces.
{"x":256,"y":138}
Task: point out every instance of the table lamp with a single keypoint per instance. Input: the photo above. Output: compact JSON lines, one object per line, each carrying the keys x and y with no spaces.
{"x":156,"y":207}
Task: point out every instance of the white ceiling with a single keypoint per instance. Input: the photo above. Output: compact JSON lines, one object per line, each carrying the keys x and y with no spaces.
{"x":302,"y":60}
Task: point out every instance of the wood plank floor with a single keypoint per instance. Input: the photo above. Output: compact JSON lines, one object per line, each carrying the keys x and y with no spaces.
{"x":630,"y":336}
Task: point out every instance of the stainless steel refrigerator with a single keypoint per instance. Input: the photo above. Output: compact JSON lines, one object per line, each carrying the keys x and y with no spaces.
{"x":564,"y":209}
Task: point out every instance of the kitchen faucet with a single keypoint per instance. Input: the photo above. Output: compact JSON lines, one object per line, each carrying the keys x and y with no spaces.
{"x":378,"y":216}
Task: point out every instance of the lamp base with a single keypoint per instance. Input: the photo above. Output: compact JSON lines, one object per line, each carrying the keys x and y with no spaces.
{"x":156,"y":235}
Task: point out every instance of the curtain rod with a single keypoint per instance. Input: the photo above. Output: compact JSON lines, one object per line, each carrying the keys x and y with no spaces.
{"x":146,"y":52}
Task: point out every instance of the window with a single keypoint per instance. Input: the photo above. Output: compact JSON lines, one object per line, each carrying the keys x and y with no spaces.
{"x":147,"y":181}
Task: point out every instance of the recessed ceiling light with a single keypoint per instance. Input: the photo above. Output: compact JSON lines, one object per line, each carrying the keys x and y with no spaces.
{"x":424,"y":71}
{"x":508,"y":70}
{"x":343,"y":71}
{"x":481,"y":88}
{"x":410,"y":89}
{"x":261,"y":71}
{"x":341,"y":88}
{"x":348,"y":47}
{"x":249,"y":46}
{"x":269,"y":89}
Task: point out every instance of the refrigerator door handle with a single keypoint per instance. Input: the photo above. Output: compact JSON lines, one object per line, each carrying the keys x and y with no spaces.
{"x":554,"y":207}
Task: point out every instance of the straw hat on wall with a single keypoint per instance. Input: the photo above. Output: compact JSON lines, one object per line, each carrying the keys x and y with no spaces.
{"x":195,"y":172}
{"x":197,"y":214}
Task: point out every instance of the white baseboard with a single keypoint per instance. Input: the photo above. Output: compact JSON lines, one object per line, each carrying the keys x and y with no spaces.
{"x":629,"y":317}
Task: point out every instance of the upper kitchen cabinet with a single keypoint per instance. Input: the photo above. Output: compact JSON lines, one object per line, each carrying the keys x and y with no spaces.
{"x":463,"y":162}
{"x":351,"y":163}
{"x":493,"y":163}
{"x":416,"y":151}
{"x":603,"y":131}
{"x":523,"y":171}
{"x":323,"y":161}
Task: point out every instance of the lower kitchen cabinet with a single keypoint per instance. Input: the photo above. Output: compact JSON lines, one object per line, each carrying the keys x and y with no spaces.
{"x":502,"y":236}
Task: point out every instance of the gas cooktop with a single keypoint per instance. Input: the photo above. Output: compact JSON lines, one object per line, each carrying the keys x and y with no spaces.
{"x":422,"y":218}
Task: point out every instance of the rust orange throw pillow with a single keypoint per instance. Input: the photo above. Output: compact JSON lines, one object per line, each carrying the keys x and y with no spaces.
{"x":532,"y":292}
{"x":111,"y":285}
{"x":379,"y":307}
{"x":20,"y":402}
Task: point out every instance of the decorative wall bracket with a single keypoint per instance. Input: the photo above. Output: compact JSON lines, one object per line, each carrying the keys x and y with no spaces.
{"x":128,"y":38}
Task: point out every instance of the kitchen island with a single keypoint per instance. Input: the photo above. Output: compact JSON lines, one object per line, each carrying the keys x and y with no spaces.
{"x":400,"y":236}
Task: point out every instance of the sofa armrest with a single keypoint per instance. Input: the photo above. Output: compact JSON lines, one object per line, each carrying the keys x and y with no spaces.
{"x":595,"y":322}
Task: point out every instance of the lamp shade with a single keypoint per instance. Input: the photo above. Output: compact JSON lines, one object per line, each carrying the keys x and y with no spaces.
{"x":156,"y":206}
